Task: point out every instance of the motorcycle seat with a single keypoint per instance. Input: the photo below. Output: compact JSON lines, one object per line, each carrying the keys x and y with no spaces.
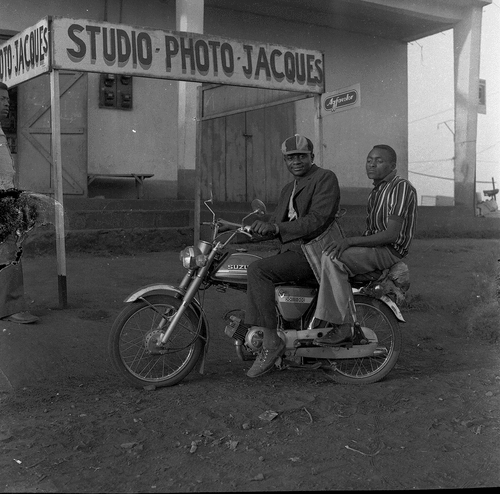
{"x":361,"y":279}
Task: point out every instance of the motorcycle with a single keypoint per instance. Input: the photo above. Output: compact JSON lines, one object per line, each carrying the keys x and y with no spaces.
{"x":162,"y":333}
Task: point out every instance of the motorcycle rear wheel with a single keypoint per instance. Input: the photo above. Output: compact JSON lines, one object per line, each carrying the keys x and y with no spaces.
{"x":377,"y":316}
{"x":132,"y":342}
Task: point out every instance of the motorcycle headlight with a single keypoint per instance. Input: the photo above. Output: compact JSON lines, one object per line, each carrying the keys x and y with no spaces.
{"x":191,"y":257}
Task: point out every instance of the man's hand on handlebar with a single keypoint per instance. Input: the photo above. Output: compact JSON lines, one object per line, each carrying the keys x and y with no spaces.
{"x":264,"y":228}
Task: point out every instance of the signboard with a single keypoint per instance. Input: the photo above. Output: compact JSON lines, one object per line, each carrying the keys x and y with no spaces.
{"x":91,"y":46}
{"x":341,"y":100}
{"x":25,"y":55}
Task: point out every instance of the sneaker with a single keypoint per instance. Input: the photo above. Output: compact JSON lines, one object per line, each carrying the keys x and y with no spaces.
{"x":341,"y":333}
{"x":265,"y":360}
{"x":22,"y":318}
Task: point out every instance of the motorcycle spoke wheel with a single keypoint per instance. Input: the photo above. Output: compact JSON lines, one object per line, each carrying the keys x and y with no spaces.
{"x":375,"y":315}
{"x":133,"y":338}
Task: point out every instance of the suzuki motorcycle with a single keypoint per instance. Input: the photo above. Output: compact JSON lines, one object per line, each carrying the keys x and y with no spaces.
{"x":162,"y":334}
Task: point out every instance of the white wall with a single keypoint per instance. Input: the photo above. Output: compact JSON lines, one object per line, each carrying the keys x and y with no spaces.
{"x":141,"y":140}
{"x":379,"y":65}
{"x":145,"y":139}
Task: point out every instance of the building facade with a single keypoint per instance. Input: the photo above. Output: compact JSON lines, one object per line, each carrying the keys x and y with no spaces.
{"x":237,"y":147}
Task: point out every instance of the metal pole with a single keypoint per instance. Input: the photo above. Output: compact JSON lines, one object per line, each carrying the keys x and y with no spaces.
{"x":197,"y":188}
{"x":55,"y":117}
{"x":318,"y":127}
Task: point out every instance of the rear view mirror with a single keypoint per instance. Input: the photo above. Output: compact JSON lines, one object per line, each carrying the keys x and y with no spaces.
{"x":259,"y":207}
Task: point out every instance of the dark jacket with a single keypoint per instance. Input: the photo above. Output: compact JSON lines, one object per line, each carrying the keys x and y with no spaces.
{"x":316,"y":200}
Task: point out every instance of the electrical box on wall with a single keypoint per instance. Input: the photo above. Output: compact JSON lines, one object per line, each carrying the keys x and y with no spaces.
{"x":124,"y":92}
{"x":115,"y":91}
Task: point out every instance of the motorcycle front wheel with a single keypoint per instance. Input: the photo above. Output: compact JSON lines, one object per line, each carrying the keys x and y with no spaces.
{"x":377,"y":316}
{"x":132,"y":342}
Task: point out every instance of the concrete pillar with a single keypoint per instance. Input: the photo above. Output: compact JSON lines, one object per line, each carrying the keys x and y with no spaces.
{"x":466,"y":48}
{"x":189,"y":17}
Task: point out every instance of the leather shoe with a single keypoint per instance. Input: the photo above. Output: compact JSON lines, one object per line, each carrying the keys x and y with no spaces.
{"x":265,"y":360}
{"x":341,"y":333}
{"x":22,"y":318}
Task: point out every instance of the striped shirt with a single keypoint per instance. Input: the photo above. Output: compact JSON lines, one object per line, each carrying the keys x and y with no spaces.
{"x":394,"y":198}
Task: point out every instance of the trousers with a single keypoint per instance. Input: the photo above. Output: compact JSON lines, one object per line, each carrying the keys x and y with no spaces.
{"x":335,"y":292}
{"x":12,"y":290}
{"x":289,"y":266}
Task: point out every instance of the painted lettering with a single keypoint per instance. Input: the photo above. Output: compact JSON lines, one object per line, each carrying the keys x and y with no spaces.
{"x":202,"y":56}
{"x":171,"y":50}
{"x":277,"y":75}
{"x":187,"y":56}
{"x":289,"y":66}
{"x":262,"y":64}
{"x":319,"y":69}
{"x":227,"y":58}
{"x":117,"y":45}
{"x":108,"y":46}
{"x":214,"y":45}
{"x":144,"y":50}
{"x":124,"y":47}
{"x":19,"y":55}
{"x":93,"y":32}
{"x":248,"y":70}
{"x":300,"y":67}
{"x":76,"y":55}
{"x":187,"y":51}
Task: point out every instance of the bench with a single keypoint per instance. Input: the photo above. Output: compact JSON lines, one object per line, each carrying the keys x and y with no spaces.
{"x":139,"y":179}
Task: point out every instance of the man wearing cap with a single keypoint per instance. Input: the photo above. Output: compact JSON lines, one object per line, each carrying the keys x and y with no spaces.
{"x":306,"y":208}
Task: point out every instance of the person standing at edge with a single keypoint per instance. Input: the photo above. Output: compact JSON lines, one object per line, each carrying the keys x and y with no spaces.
{"x":12,"y":301}
{"x":307,"y":206}
{"x":390,"y":226}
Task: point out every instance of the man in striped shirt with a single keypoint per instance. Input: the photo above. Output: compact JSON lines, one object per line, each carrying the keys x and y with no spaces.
{"x":390,"y":226}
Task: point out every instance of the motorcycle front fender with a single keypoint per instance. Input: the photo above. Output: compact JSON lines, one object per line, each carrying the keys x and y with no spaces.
{"x":164,"y":289}
{"x":393,"y":307}
{"x":158,"y":288}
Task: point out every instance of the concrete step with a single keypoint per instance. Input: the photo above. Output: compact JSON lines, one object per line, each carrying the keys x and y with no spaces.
{"x":106,"y":219}
{"x":85,"y":204}
{"x":115,"y":226}
{"x":91,"y":214}
{"x":111,"y":241}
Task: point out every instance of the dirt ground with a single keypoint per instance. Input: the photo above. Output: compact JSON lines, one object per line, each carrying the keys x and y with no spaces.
{"x":68,"y":423}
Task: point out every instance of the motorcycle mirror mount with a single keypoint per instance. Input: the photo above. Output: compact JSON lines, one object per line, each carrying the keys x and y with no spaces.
{"x":258,"y":207}
{"x":208,"y":201}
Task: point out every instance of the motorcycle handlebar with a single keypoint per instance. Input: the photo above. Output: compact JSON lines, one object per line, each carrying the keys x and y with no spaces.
{"x":246,"y":230}
{"x":229,"y":223}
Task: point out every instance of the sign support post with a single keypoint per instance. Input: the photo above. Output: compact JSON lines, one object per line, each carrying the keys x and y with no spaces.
{"x":197,"y":186}
{"x":58,"y":187}
{"x":318,"y":126}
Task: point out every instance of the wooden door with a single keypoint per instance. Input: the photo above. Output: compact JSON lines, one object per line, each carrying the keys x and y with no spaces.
{"x":241,"y":154}
{"x":34,"y":159}
{"x":266,"y":129}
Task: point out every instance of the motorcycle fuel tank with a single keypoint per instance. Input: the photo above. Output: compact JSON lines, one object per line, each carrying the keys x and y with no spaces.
{"x":234,"y":268}
{"x":293,"y":301}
